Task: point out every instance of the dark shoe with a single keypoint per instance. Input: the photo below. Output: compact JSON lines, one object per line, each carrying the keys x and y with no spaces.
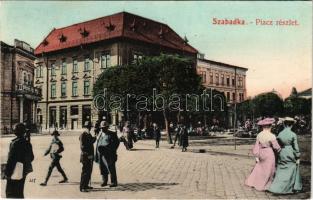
{"x":64,"y":181}
{"x":113,"y":185}
{"x":104,"y":184}
{"x":84,"y":190}
{"x":43,"y":184}
{"x":89,"y":188}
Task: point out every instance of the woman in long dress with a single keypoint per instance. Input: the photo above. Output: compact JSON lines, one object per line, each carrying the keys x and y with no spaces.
{"x":127,"y":134}
{"x":287,"y":177}
{"x":262,"y":174}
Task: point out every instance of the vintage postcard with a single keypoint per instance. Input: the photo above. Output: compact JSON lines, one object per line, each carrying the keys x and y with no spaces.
{"x":156,"y":99}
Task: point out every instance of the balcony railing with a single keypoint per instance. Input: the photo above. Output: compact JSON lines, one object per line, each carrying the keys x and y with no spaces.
{"x":28,"y":89}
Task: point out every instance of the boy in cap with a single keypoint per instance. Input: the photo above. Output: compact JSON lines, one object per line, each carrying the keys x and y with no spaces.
{"x":87,"y":156}
{"x":55,"y":149}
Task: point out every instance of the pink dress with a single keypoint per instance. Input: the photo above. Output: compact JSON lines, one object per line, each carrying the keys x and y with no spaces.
{"x":262,"y":174}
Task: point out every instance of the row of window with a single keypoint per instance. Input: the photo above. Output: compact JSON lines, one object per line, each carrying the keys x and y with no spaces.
{"x":53,"y":89}
{"x":221,"y":80}
{"x":27,"y":78}
{"x":105,"y":61}
{"x":241,"y":96}
{"x":63,"y":116}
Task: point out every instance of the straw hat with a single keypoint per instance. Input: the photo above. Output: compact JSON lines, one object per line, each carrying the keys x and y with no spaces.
{"x":289,"y":119}
{"x":266,"y":122}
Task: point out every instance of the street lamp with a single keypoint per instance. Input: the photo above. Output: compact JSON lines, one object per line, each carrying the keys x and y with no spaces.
{"x":235,"y":106}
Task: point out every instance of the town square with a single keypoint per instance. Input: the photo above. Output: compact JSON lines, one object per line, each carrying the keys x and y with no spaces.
{"x":156,"y":100}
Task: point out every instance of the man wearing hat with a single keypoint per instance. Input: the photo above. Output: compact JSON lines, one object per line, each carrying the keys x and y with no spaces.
{"x":107,"y":144}
{"x":20,"y":151}
{"x":55,"y":149}
{"x":87,"y":156}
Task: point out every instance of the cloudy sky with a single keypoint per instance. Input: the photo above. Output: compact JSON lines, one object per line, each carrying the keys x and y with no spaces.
{"x":278,"y":57}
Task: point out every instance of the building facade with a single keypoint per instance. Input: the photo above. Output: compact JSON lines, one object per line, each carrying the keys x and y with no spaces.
{"x":71,"y":58}
{"x":229,"y":79}
{"x":19,"y":97}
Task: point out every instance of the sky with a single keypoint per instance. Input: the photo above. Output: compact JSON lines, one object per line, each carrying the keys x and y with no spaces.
{"x":277,"y":57}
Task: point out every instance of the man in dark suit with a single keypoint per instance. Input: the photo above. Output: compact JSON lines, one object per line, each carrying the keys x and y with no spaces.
{"x":86,"y":157}
{"x":20,"y":151}
{"x":177,"y":135}
{"x":157,"y":135}
{"x":106,"y":156}
{"x":55,"y":149}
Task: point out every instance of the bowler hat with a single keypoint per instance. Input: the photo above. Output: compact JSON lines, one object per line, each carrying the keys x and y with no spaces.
{"x":88,"y":124}
{"x":55,"y":132}
{"x":104,"y":124}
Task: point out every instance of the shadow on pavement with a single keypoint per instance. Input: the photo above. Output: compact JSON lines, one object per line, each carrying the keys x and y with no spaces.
{"x":142,"y":150}
{"x":136,"y":187}
{"x":224,"y":142}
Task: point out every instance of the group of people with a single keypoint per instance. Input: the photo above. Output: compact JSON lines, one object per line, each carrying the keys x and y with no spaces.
{"x":107,"y":143}
{"x":277,"y":160}
{"x":105,"y":155}
{"x":276,"y":169}
{"x":181,"y":136}
{"x":128,"y":136}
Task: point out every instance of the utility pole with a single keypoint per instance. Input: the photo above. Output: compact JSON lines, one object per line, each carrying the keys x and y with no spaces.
{"x":235,"y":106}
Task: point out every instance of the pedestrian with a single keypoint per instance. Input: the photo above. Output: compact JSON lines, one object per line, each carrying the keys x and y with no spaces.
{"x":127,"y":135}
{"x":97,"y":127}
{"x":170,"y":132}
{"x":177,"y":135}
{"x":287,"y":177}
{"x":157,"y":135}
{"x":86,"y":157}
{"x":55,"y":149}
{"x":184,"y":138}
{"x":106,"y":156}
{"x":18,"y":164}
{"x":263,"y":172}
{"x":199,"y":129}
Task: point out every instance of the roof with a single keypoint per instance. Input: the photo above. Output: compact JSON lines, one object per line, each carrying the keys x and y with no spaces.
{"x":306,"y":93}
{"x":123,"y":24}
{"x":222,"y":64}
{"x":4,"y":47}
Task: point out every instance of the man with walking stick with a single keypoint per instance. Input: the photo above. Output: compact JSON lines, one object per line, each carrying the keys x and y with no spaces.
{"x":107,"y":144}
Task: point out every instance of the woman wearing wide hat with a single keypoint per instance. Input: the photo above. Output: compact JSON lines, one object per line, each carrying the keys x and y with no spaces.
{"x":262,"y":174}
{"x":287,"y":177}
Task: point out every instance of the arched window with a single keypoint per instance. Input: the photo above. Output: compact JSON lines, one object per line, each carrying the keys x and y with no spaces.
{"x":25,"y":77}
{"x":29,"y":79}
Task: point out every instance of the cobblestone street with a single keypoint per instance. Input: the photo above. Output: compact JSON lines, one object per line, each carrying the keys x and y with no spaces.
{"x":147,"y":172}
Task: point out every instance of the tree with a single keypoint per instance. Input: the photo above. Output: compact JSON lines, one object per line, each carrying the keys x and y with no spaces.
{"x":294,"y":105}
{"x":268,"y":105}
{"x":165,"y":74}
{"x":246,"y":109}
{"x":178,"y":76}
